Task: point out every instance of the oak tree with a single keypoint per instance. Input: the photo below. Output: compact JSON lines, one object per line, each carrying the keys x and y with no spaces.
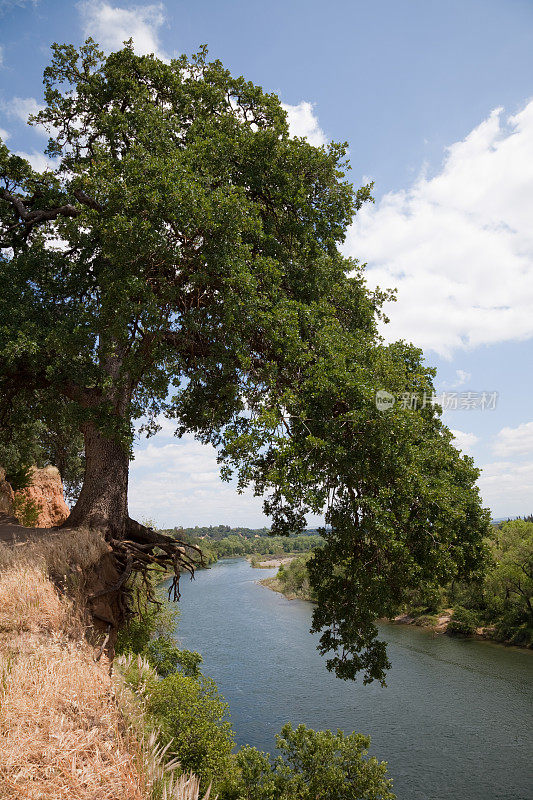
{"x":181,"y":257}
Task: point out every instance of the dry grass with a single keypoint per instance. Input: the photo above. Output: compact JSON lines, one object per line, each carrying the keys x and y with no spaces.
{"x":65,"y":732}
{"x":29,"y":602}
{"x":60,"y":728}
{"x":61,"y":553}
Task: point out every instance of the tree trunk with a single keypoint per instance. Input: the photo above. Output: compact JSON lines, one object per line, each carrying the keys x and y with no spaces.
{"x":103,"y":500}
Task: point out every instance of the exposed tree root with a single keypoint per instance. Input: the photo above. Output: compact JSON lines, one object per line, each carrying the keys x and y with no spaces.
{"x":148,"y":548}
{"x":142,"y":551}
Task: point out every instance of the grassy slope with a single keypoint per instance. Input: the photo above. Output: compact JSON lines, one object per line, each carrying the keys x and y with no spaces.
{"x":66,"y":724}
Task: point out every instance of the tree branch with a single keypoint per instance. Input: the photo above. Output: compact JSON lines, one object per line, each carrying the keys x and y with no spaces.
{"x":80,"y":195}
{"x":30,"y":218}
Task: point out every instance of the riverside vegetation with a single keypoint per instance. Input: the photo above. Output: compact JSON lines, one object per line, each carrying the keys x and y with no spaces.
{"x":498,"y":601}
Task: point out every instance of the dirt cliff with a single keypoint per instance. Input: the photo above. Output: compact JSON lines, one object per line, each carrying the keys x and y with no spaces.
{"x":46,"y":490}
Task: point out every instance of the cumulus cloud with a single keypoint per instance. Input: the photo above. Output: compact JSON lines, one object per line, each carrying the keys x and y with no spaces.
{"x":4,"y":135}
{"x":459,"y":245}
{"x":506,"y":482}
{"x":303,"y":122}
{"x":512,"y":442}
{"x":37,"y":161}
{"x":506,"y":487}
{"x":22,"y":107}
{"x":464,"y":441}
{"x":178,"y":483}
{"x":111,"y":25}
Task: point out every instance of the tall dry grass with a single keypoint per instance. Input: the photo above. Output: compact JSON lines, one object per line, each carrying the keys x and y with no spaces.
{"x":63,"y":732}
{"x":60,"y":552}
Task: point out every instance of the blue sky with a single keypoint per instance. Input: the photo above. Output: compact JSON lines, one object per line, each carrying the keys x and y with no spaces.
{"x":436,"y":102}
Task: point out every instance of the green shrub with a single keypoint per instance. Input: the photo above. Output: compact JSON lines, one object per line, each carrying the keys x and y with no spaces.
{"x":464,"y":622}
{"x":19,"y":477}
{"x":192,"y":717}
{"x":164,"y":655}
{"x":147,"y":622}
{"x":313,"y":765}
{"x":26,"y":510}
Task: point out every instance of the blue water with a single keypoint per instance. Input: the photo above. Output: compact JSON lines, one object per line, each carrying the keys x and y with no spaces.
{"x":453,"y":722}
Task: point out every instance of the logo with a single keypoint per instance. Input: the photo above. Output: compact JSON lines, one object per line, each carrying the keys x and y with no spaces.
{"x":384,"y":400}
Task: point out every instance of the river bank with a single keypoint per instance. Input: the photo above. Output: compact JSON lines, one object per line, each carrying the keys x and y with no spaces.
{"x":443,"y":621}
{"x":270,"y":562}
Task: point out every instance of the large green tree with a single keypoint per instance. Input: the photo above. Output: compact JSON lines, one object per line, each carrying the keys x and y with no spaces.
{"x":182,"y":257}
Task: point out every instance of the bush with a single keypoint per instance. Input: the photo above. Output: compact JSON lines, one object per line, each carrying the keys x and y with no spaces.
{"x":192,"y":717}
{"x":313,"y":765}
{"x":19,"y":477}
{"x":164,"y":655}
{"x":26,"y":510}
{"x":148,"y":621}
{"x":463,"y":622}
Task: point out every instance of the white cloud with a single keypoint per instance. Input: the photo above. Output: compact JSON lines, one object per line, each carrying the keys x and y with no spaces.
{"x":459,"y":246}
{"x":465,"y":441}
{"x":4,"y":135}
{"x":462,"y":377}
{"x":506,"y":483}
{"x":37,"y":161}
{"x":506,"y":487}
{"x":178,"y":483}
{"x":513,"y":442}
{"x":303,"y":122}
{"x":1,"y":56}
{"x":21,"y":107}
{"x":110,"y":26}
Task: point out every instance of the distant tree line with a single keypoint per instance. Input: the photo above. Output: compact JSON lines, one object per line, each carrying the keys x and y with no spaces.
{"x":222,"y":541}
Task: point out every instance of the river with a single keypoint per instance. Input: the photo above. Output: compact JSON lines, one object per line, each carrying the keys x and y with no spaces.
{"x":454,"y":721}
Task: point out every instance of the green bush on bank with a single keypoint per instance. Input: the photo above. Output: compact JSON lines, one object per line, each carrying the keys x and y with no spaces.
{"x":193,"y":719}
{"x":293,"y":578}
{"x":312,"y":765}
{"x":178,"y":701}
{"x":463,"y":622}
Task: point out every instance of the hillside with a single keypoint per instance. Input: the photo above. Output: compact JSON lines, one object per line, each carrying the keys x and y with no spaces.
{"x":68,"y":726}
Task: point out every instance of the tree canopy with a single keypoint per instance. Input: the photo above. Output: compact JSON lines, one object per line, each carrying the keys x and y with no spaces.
{"x":181,"y":257}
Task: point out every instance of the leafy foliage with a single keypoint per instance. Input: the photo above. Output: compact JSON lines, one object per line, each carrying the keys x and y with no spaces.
{"x":313,"y":765}
{"x":463,"y":622}
{"x":293,"y":579}
{"x":26,"y":510}
{"x":193,"y":718}
{"x":49,"y":439}
{"x":147,"y":621}
{"x":19,"y":477}
{"x":511,"y":577}
{"x":164,"y":655}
